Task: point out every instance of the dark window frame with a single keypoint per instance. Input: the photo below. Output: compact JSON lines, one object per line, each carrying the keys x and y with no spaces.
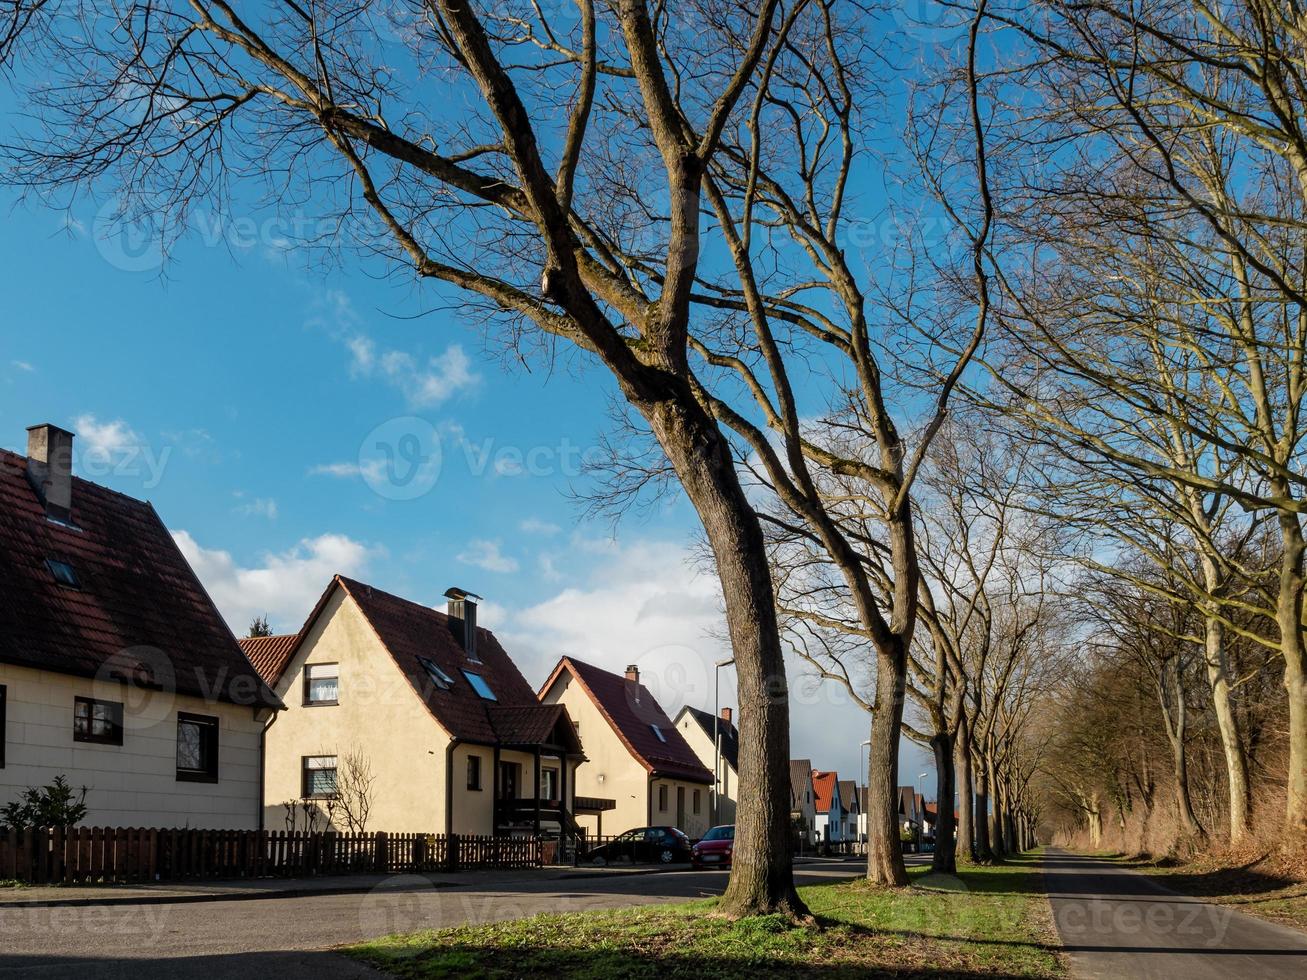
{"x":209,"y":745}
{"x":662,"y":797}
{"x":695,"y":804}
{"x":114,"y":736}
{"x":69,"y":580}
{"x":310,"y":702}
{"x":304,"y":777}
{"x":474,"y":773}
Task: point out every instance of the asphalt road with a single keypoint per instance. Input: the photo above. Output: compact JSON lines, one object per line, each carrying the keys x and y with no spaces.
{"x":289,"y":937}
{"x":1117,"y":924}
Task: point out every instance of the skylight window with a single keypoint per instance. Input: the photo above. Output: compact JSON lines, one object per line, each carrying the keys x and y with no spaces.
{"x":63,"y":573}
{"x":480,"y":686}
{"x":659,"y":732}
{"x":438,"y":676}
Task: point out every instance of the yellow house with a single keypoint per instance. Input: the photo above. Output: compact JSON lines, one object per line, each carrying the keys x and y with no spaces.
{"x":699,"y":728}
{"x":639,"y":772}
{"x":117,"y":671}
{"x":417,"y":718}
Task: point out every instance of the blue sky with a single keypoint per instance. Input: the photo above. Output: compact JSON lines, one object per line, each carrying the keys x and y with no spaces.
{"x":253,"y":400}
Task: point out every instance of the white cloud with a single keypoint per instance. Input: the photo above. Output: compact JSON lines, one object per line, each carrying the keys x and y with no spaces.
{"x":24,"y":366}
{"x":258,"y":507}
{"x":284,"y":585}
{"x":548,"y":570}
{"x":533,"y":525}
{"x":372,"y":469}
{"x":424,"y":382}
{"x":646,"y":602}
{"x":105,"y":439}
{"x":488,"y":555}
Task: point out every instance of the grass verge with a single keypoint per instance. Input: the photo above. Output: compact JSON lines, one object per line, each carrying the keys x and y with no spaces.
{"x":990,"y":921}
{"x":1264,"y":887}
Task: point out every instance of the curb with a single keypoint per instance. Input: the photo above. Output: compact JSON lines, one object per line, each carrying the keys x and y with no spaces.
{"x":278,"y":893}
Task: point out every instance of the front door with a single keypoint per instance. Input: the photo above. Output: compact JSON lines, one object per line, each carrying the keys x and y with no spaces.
{"x":510,"y":775}
{"x":680,"y":807}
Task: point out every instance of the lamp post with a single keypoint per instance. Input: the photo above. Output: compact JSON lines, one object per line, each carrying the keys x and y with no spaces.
{"x":862,"y":768}
{"x":717,"y":739}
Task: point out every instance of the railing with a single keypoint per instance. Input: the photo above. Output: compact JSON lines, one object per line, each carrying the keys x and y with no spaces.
{"x":121,"y":854}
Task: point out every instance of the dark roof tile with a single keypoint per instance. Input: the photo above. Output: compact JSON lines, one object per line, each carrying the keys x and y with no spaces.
{"x":140,"y":611}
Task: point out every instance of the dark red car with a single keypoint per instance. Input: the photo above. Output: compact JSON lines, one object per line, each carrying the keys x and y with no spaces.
{"x":715,"y":848}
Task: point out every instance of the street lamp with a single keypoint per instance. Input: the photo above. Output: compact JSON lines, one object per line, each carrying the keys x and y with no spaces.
{"x":862,"y":799}
{"x":717,"y":739}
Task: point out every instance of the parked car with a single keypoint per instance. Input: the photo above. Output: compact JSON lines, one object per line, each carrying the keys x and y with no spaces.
{"x":644,"y":845}
{"x":714,"y":848}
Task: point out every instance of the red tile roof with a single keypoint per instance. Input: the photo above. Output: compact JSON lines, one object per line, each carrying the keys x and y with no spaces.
{"x":270,"y":654}
{"x":139,"y":612}
{"x":631,"y":710}
{"x":410,"y":631}
{"x":824,"y":787}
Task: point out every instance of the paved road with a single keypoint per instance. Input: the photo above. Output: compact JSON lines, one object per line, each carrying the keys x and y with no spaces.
{"x":1118,"y":924}
{"x":288,"y":937}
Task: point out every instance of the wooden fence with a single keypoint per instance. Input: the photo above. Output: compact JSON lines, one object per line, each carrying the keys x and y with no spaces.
{"x":125,"y":854}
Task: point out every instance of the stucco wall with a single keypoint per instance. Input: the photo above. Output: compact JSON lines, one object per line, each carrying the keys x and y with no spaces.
{"x":611,"y":772}
{"x":380,"y":715}
{"x":134,"y":784}
{"x":701,"y":743}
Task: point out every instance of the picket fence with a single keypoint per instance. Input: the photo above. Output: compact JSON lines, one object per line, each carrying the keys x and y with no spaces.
{"x":54,"y":855}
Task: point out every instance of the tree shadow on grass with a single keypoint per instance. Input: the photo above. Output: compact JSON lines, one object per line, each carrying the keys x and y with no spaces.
{"x":498,"y":963}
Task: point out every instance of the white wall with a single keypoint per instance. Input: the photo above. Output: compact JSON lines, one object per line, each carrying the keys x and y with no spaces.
{"x":134,"y":784}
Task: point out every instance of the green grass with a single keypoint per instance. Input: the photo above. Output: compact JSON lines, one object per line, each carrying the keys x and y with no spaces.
{"x":987,"y":921}
{"x":12,"y":883}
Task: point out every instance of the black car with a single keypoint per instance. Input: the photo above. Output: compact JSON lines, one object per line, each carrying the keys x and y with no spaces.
{"x":644,"y":845}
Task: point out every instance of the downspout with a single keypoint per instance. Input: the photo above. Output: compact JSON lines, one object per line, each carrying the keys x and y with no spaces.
{"x":449,"y":784}
{"x":649,"y":800}
{"x":263,"y":762}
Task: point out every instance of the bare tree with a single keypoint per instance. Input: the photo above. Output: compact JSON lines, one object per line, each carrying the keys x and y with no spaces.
{"x":352,"y":802}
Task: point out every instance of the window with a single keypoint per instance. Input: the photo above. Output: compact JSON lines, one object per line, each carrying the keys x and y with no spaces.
{"x":97,"y":721}
{"x":662,"y":797}
{"x":438,"y":676}
{"x":474,"y":772}
{"x":197,"y":748}
{"x":319,"y":777}
{"x":63,"y":573}
{"x":2,"y":726}
{"x":549,"y":783}
{"x":321,"y":683}
{"x":659,"y":732}
{"x":696,"y":801}
{"x":480,"y":686}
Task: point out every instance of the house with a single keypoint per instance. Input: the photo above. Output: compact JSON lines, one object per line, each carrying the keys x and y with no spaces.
{"x":116,"y":669}
{"x":638,"y":765}
{"x":829,"y":809}
{"x":849,"y":794}
{"x":803,"y":809}
{"x":425,"y":707}
{"x":699,"y":728}
{"x":909,"y":816}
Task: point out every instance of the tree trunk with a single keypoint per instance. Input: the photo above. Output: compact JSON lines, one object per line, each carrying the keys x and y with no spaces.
{"x":966,"y":803}
{"x":884,"y":852}
{"x":984,"y":853}
{"x":1177,"y":724}
{"x":1289,"y":611}
{"x":1219,"y":686}
{"x":762,"y":875}
{"x":995,"y":799}
{"x":944,"y":860}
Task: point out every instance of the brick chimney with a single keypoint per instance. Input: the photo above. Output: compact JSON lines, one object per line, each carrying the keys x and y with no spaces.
{"x":633,"y":673}
{"x":50,"y":469}
{"x":726,"y":715}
